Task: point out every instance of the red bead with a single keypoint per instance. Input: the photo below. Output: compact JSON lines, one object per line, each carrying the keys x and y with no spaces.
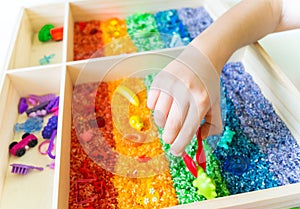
{"x":144,"y":159}
{"x":82,"y":25}
{"x":100,"y":188}
{"x":100,"y":122}
{"x":89,"y":207}
{"x":93,"y":31}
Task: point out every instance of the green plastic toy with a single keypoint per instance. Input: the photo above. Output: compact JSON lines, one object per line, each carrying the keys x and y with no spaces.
{"x":44,"y":33}
{"x":226,"y":139}
{"x":205,"y":185}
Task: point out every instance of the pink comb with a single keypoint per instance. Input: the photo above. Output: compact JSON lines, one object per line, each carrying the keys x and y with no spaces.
{"x":22,"y":168}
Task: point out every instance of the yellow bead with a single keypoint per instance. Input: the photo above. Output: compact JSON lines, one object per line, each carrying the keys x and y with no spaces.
{"x":136,"y":122}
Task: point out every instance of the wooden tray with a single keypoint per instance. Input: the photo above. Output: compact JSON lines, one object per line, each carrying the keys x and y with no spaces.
{"x":23,"y":76}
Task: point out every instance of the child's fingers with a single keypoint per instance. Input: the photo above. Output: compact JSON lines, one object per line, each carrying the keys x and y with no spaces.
{"x":189,"y":128}
{"x":181,"y":98}
{"x":213,"y":122}
{"x":174,"y":122}
{"x":163,"y":82}
{"x":162,"y":108}
{"x":152,"y":98}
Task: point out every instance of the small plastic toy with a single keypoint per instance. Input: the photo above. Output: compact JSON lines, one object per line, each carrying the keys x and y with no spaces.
{"x":30,"y":125}
{"x":49,"y":132}
{"x":23,"y":106}
{"x":57,"y":33}
{"x":128,"y":94}
{"x":36,"y":99}
{"x":46,"y":59}
{"x":44,"y":33}
{"x":51,"y":165}
{"x":53,"y":104}
{"x":51,"y":144}
{"x":236,"y":164}
{"x":200,"y":157}
{"x":23,"y":169}
{"x":50,"y":127}
{"x":38,"y":110}
{"x":46,"y":142}
{"x":49,"y":32}
{"x":136,"y":122}
{"x":205,"y":185}
{"x":226,"y":138}
{"x":19,"y":148}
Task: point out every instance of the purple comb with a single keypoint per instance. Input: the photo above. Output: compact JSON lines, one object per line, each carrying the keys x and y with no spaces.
{"x":22,"y":168}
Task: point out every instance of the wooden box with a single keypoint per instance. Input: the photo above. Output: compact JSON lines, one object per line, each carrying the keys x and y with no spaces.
{"x":23,"y":75}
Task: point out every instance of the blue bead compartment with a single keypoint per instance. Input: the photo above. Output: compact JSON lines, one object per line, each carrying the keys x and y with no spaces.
{"x":262,"y":142}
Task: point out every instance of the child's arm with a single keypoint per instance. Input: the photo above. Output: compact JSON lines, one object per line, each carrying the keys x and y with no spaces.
{"x":187,"y":89}
{"x":246,"y":23}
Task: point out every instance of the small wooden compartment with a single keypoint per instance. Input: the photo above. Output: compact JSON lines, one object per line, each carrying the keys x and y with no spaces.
{"x":259,"y":65}
{"x":50,"y":189}
{"x":35,"y":189}
{"x":82,"y":11}
{"x":27,"y":50}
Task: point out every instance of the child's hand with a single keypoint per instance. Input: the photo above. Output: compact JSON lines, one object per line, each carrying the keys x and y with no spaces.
{"x":181,"y":95}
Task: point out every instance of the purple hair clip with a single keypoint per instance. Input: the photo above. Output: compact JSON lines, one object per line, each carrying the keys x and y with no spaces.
{"x":35,"y":99}
{"x":49,"y":132}
{"x":53,"y":104}
{"x":50,"y":147}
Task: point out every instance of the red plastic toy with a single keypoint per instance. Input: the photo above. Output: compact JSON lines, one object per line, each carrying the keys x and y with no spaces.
{"x":57,"y":33}
{"x":19,"y":148}
{"x":200,"y":157}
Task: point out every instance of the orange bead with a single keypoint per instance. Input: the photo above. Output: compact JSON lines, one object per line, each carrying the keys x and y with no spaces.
{"x":152,"y":192}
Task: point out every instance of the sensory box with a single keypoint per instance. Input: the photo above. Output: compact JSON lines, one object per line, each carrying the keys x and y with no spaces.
{"x":72,"y":184}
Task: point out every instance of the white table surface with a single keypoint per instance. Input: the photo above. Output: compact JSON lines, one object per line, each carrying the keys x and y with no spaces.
{"x":282,"y":47}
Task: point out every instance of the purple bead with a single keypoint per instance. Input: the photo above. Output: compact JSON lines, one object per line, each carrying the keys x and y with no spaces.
{"x":195,"y":19}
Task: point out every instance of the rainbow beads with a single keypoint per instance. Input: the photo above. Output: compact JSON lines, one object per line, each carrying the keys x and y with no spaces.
{"x":172,"y":31}
{"x":143,"y":31}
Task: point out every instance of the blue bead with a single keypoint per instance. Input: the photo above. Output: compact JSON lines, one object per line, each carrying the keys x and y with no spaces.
{"x":260,"y":123}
